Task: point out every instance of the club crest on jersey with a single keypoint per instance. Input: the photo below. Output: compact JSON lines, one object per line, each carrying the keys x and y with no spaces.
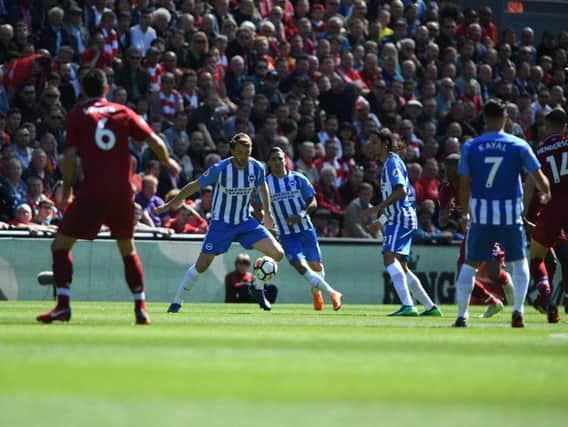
{"x":292,"y":183}
{"x":251,"y":178}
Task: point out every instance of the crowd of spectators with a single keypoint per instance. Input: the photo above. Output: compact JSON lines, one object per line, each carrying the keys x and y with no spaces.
{"x":314,"y":77}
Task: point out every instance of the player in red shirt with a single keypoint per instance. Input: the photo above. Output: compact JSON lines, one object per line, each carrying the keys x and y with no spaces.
{"x":553,"y":154}
{"x":556,"y":255}
{"x":488,"y":273}
{"x":98,"y":131}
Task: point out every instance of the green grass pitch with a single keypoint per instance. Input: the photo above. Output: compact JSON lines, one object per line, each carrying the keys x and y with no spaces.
{"x":234,"y":365}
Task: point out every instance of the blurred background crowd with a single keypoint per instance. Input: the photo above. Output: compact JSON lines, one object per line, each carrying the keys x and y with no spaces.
{"x":313,"y":77}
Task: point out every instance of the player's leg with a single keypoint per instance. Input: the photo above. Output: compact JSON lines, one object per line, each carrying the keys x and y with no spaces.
{"x":561,"y":249}
{"x":294,"y":252}
{"x":415,"y":287}
{"x":397,"y":242}
{"x":477,"y":249}
{"x":317,"y":296}
{"x":82,"y":220}
{"x":312,"y":253}
{"x":119,"y":216}
{"x":269,"y":246}
{"x":514,"y":243}
{"x":190,"y":278}
{"x":481,"y":293}
{"x":538,"y":270}
{"x":497,"y":273}
{"x":400,"y":282}
{"x":252,"y":234}
{"x":217,"y":241}
{"x":134,"y":275}
{"x":547,"y":230}
{"x":540,"y":274}
{"x":62,"y":278}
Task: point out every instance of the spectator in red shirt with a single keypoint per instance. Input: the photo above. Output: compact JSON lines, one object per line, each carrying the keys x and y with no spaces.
{"x":187,"y":221}
{"x":331,"y":160}
{"x":327,"y":193}
{"x":23,"y":217}
{"x":428,"y":184}
{"x":96,"y":56}
{"x":239,"y":283}
{"x":34,"y":68}
{"x":487,"y":24}
{"x":349,"y":74}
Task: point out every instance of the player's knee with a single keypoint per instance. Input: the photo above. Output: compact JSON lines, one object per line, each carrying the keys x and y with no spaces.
{"x":300,"y":267}
{"x":278,"y":254}
{"x":537,"y":250}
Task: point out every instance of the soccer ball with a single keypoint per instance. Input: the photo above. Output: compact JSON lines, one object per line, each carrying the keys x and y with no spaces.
{"x":265,"y":268}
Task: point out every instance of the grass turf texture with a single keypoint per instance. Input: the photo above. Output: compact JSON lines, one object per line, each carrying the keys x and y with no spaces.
{"x":234,"y":365}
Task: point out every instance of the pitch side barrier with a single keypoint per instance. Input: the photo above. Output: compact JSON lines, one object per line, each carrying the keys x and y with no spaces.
{"x":353,"y":266}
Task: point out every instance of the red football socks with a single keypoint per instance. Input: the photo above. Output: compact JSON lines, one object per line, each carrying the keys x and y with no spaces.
{"x":134,"y":275}
{"x":540,"y":276}
{"x":62,"y":276}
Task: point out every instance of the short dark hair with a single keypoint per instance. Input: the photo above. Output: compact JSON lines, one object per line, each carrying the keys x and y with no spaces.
{"x":494,"y":108}
{"x":557,"y":118}
{"x":94,"y":83}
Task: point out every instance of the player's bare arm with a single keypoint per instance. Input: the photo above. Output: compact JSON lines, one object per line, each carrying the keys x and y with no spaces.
{"x":529,"y":191}
{"x":311,"y":206}
{"x":398,"y":193}
{"x":68,"y":169}
{"x":464,"y":193}
{"x":160,"y":150}
{"x":185,"y":192}
{"x":267,"y":218}
{"x":542,"y":184}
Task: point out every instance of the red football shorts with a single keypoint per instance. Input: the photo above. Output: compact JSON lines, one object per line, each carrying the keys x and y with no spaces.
{"x":84,"y":217}
{"x":550,"y":224}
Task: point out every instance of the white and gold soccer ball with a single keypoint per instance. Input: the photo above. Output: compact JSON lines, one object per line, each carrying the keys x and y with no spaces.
{"x":265,"y":268}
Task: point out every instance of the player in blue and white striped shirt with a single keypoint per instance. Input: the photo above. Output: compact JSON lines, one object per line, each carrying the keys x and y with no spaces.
{"x":292,"y":198}
{"x":397,"y":213}
{"x":490,"y":167}
{"x":234,"y":181}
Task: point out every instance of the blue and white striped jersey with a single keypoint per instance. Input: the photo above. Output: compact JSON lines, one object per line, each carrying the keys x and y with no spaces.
{"x":288,"y":197}
{"x":232,"y":189}
{"x":403,"y":212}
{"x":495,"y":161}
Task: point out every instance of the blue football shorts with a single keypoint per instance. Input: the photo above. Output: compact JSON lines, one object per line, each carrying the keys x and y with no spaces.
{"x":397,"y":239}
{"x":220,"y":235}
{"x":303,"y":244}
{"x":480,"y":240}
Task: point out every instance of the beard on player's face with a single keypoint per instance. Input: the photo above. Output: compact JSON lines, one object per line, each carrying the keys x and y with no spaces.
{"x":241,"y":153}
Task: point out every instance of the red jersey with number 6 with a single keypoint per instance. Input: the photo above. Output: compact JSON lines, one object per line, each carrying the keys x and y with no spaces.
{"x":100,"y":130}
{"x":553,"y":155}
